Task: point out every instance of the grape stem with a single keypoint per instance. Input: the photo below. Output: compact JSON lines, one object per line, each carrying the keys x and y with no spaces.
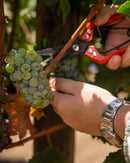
{"x":74,"y":36}
{"x":37,"y":135}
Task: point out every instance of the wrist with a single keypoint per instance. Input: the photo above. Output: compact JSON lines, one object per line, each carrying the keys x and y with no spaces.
{"x":121,"y":120}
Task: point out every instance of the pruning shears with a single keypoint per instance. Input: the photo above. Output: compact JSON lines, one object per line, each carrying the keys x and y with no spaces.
{"x":80,"y":45}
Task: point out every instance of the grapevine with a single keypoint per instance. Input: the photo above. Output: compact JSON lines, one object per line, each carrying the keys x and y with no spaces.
{"x":29,"y":75}
{"x":5,"y":140}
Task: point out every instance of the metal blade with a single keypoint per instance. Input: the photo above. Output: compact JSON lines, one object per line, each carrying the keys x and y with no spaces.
{"x":77,"y":48}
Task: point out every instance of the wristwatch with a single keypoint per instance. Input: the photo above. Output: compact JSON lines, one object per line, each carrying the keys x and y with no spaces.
{"x":107,"y":122}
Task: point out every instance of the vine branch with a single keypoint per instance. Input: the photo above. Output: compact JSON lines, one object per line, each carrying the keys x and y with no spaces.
{"x":37,"y":135}
{"x":75,"y":35}
{"x":15,"y":8}
{"x":2,"y":31}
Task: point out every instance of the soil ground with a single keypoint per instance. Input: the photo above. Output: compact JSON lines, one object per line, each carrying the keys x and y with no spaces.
{"x":87,"y":150}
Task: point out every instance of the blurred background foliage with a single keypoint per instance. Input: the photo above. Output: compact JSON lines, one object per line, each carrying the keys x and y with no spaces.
{"x":24,"y":35}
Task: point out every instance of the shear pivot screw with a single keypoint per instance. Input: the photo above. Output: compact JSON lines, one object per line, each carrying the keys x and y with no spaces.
{"x":75,"y":47}
{"x":90,"y":51}
{"x":94,"y":54}
{"x":87,"y":36}
{"x":88,"y":31}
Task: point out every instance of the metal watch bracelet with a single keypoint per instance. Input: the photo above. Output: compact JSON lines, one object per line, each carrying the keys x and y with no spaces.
{"x":107,"y":122}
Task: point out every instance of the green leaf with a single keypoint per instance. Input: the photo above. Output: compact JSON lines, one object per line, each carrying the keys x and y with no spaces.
{"x":50,"y":155}
{"x":65,"y":9}
{"x":115,"y":157}
{"x":125,"y":9}
{"x":50,"y":3}
{"x":112,"y":80}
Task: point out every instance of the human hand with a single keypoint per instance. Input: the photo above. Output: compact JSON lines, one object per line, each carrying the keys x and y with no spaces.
{"x":115,"y":37}
{"x":80,"y":105}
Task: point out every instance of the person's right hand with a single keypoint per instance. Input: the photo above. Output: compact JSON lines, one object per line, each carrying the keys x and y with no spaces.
{"x":115,"y":37}
{"x":79,"y":104}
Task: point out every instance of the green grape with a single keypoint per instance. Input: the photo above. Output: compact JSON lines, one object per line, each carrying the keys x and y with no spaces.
{"x":27,"y":62}
{"x":11,"y":60}
{"x":45,"y":94}
{"x":69,"y":74}
{"x":32,"y":90}
{"x":40,"y":87}
{"x":22,"y":51}
{"x":65,"y":68}
{"x":76,"y":74}
{"x":72,"y":68}
{"x":19,"y":61}
{"x":66,"y":61}
{"x":21,"y":85}
{"x":36,"y":66}
{"x":50,"y":95}
{"x":45,"y":82}
{"x":34,"y":74}
{"x":18,"y":55}
{"x":12,"y":77}
{"x":46,"y":102}
{"x":26,"y":82}
{"x":9,"y":68}
{"x":31,"y":56}
{"x":13,"y":52}
{"x":17,"y":75}
{"x":74,"y":61}
{"x":38,"y":104}
{"x":38,"y":59}
{"x":25,"y":67}
{"x":26,"y":75}
{"x":48,"y":87}
{"x":82,"y":78}
{"x":29,"y":99}
{"x":42,"y":74}
{"x":37,"y":95}
{"x":60,"y":74}
{"x":33,"y":82}
{"x":24,"y":92}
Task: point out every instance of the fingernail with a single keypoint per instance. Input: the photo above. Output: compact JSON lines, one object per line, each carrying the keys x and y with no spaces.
{"x":52,"y":81}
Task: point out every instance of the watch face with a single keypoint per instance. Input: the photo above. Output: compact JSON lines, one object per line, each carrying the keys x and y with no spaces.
{"x":111,"y":138}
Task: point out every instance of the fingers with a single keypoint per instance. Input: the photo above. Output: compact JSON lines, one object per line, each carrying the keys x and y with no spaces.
{"x":104,"y":14}
{"x":65,"y":85}
{"x":114,"y":63}
{"x":120,"y":61}
{"x":126,"y":58}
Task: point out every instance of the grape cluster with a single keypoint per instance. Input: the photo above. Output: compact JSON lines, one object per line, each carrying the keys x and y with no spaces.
{"x":26,"y":70}
{"x":69,"y":68}
{"x":4,"y":137}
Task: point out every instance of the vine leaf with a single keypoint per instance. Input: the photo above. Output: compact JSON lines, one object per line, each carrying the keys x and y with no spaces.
{"x":19,"y":120}
{"x":125,"y":9}
{"x":37,"y":113}
{"x":115,"y":157}
{"x":64,"y":8}
{"x":50,"y":155}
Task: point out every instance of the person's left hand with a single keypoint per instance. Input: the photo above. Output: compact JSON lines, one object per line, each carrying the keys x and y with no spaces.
{"x":115,"y":37}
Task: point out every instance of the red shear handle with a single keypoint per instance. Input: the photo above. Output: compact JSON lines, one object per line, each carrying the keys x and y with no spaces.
{"x":87,"y":34}
{"x":115,"y":19}
{"x":94,"y":55}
